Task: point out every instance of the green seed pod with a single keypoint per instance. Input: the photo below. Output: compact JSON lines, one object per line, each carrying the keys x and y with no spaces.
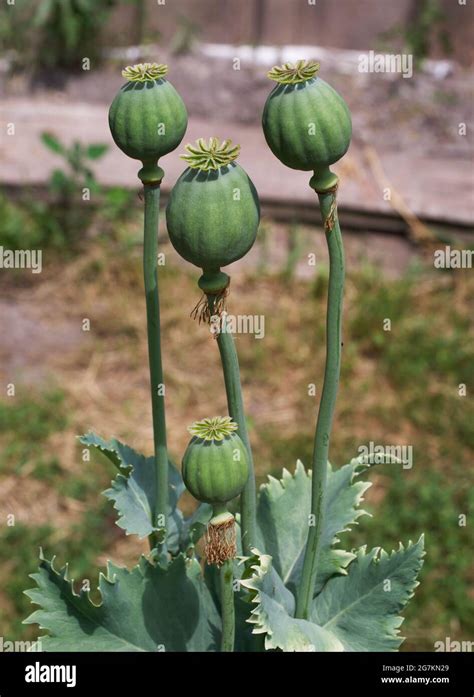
{"x":213,"y":211}
{"x":147,"y":118}
{"x":306,"y":123}
{"x":215,"y":464}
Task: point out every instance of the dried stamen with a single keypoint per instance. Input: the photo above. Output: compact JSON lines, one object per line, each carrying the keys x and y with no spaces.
{"x":210,"y":308}
{"x":221,"y":539}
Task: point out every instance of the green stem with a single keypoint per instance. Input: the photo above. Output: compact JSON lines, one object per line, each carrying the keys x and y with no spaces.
{"x":235,"y":405}
{"x":327,"y":201}
{"x":150,"y":260}
{"x":226,"y":578}
{"x":140,"y":22}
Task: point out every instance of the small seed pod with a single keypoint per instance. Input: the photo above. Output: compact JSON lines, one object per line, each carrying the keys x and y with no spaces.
{"x":215,"y":470}
{"x":213,"y":213}
{"x":306,"y":123}
{"x":147,"y":118}
{"x":215,"y":464}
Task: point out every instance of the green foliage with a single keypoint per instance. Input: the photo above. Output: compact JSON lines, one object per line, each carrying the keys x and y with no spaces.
{"x":141,"y":26}
{"x":133,"y":493}
{"x":27,"y":420}
{"x":25,"y":540}
{"x":371,"y":614}
{"x":434,"y":343}
{"x":427,"y":29}
{"x":72,"y":215}
{"x":86,"y":540}
{"x":431,"y":496}
{"x":274,"y":615}
{"x":133,"y":489}
{"x":411,"y":348}
{"x":145,"y":609}
{"x":431,"y":328}
{"x":116,"y":204}
{"x":285,"y":505}
{"x":424,"y":499}
{"x":356,"y":612}
{"x":69,"y":31}
{"x":28,"y":221}
{"x":15,"y":21}
{"x":68,"y":184}
{"x":362,"y":609}
{"x":357,"y":608}
{"x":424,"y":31}
{"x":27,"y":424}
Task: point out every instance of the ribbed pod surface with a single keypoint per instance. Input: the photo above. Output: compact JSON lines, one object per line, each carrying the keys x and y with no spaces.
{"x":307,"y":125}
{"x":215,"y":471}
{"x":148,"y":119}
{"x":212,"y":217}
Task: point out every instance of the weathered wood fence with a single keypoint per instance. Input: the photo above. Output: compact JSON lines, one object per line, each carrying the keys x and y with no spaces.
{"x":357,"y":24}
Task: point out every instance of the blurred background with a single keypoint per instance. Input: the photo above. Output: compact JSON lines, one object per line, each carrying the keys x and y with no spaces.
{"x":406,"y":195}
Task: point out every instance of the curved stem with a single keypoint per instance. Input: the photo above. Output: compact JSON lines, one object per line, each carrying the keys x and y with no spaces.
{"x":235,"y":405}
{"x":327,"y":202}
{"x":226,"y":578}
{"x":150,"y":259}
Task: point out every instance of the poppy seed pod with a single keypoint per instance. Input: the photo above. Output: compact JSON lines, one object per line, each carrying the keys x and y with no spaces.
{"x":306,"y":123}
{"x":213,"y":211}
{"x":215,"y":464}
{"x":215,"y":470}
{"x":147,"y":118}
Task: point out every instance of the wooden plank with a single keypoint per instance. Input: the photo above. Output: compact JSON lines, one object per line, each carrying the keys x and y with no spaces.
{"x":24,"y":160}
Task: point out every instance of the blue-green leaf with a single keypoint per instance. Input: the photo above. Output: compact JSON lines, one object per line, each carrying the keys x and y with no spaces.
{"x":119,"y":454}
{"x":146,"y":609}
{"x":195,"y":526}
{"x":362,"y":609}
{"x":356,"y":612}
{"x":133,"y":490}
{"x":283,"y":513}
{"x":133,"y":494}
{"x":274,"y":610}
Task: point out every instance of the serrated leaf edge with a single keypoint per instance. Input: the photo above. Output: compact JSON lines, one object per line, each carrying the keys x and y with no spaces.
{"x":110,"y":578}
{"x":262,"y":564}
{"x":376,"y":555}
{"x":280,"y":485}
{"x":109,"y":495}
{"x":260,"y":568}
{"x":109,"y":445}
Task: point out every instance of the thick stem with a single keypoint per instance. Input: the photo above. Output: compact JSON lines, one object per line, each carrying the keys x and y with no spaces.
{"x":327,"y":201}
{"x":235,"y":405}
{"x":226,"y":578}
{"x":150,"y":260}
